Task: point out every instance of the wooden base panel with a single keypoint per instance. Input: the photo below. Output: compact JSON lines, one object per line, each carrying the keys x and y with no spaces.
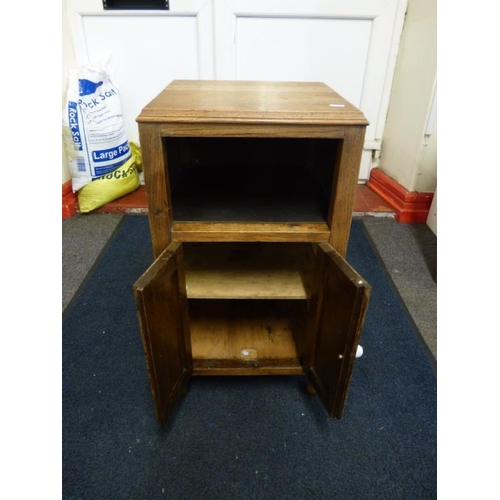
{"x":409,"y":206}
{"x":236,"y":368}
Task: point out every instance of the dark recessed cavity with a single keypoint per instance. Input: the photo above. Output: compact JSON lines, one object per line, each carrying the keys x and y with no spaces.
{"x":250,"y":179}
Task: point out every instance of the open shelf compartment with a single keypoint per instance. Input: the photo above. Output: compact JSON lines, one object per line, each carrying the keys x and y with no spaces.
{"x":251,"y":180}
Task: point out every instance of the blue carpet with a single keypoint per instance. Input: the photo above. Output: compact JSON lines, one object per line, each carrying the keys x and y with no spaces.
{"x":241,"y":438}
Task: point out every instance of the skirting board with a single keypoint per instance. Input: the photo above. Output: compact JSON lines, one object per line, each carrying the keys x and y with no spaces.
{"x":69,"y":200}
{"x":409,"y":206}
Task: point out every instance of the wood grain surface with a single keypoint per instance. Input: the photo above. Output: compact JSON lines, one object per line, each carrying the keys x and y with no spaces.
{"x":217,"y":101}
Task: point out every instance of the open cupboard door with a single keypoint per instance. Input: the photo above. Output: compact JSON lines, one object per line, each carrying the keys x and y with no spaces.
{"x":338,"y":306}
{"x":160,"y":295}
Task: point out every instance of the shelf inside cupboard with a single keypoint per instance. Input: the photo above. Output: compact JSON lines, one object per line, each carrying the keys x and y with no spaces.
{"x":249,"y":337}
{"x":248,"y":270}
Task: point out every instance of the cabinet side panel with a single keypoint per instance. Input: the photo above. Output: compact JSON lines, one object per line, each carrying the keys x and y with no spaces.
{"x":345,"y":181}
{"x":156,"y":179}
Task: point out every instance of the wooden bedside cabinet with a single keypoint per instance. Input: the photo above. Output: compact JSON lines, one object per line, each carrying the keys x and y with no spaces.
{"x":251,"y":189}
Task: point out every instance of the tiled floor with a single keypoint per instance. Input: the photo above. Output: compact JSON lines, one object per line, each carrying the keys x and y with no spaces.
{"x":135,"y":202}
{"x":367,"y":202}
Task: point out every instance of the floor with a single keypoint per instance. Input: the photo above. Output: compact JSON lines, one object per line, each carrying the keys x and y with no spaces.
{"x":367,"y":203}
{"x":409,"y":252}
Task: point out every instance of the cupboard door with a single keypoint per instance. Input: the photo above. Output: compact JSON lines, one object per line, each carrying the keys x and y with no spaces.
{"x":160,"y":295}
{"x":338,"y":306}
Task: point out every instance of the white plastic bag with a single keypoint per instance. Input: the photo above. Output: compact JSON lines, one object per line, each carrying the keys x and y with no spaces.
{"x":93,"y":126}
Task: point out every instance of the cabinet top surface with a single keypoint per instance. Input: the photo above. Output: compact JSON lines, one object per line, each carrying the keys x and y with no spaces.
{"x":217,"y":101}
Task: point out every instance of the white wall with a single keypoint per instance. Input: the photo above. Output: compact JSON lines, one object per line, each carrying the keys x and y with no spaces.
{"x":68,"y":61}
{"x":408,"y":155}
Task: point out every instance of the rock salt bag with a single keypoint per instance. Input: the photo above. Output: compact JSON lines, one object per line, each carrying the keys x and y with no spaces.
{"x":109,"y":187}
{"x":93,"y":126}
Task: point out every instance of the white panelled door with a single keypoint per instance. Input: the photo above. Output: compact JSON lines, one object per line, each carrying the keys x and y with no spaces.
{"x":351,"y":45}
{"x":149,"y":49}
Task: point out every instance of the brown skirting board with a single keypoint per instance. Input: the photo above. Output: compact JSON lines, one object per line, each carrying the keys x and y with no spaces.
{"x":409,"y":206}
{"x":69,"y":200}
